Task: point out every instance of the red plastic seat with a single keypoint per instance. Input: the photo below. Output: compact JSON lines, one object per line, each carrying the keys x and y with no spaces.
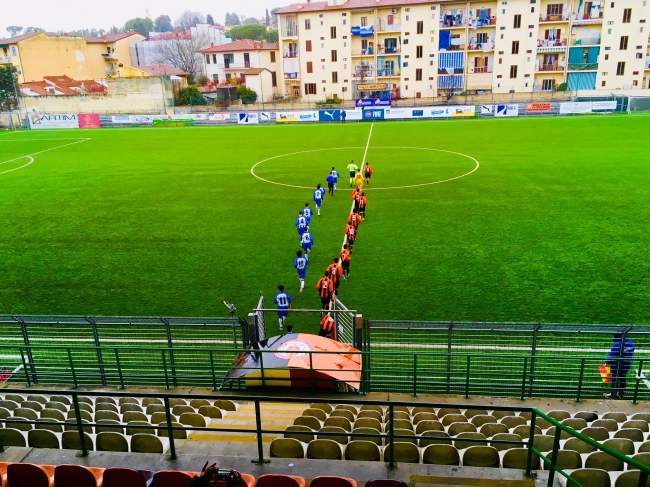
{"x":273,"y":480}
{"x":171,"y":478}
{"x":3,"y":473}
{"x":332,"y":482}
{"x":249,"y":481}
{"x":77,"y":476}
{"x":120,"y":477}
{"x":386,"y":483}
{"x":28,"y":475}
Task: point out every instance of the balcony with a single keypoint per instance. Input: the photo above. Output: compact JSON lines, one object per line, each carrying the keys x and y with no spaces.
{"x":110,"y":70}
{"x":478,"y":70}
{"x":385,"y":27}
{"x":553,"y":18}
{"x":227,"y":66}
{"x":389,"y":51}
{"x":364,"y":52}
{"x":364,"y":72}
{"x":593,"y":17}
{"x":290,"y":31}
{"x":453,"y":22}
{"x":586,"y":41}
{"x":109,"y":56}
{"x":551,"y":45}
{"x":480,"y":46}
{"x":583,"y":66}
{"x":388,"y":73}
{"x":290,"y":55}
{"x":5,"y":60}
{"x":292,"y":76}
{"x":545,"y":68}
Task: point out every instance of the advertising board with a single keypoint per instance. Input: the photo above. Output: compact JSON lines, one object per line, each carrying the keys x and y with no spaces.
{"x":373,"y":102}
{"x":248,"y":118}
{"x":288,"y":117}
{"x":506,"y":111}
{"x":218,"y":117}
{"x":538,"y":107}
{"x":132,"y":119}
{"x":462,"y":111}
{"x":89,"y":121}
{"x":603,"y":106}
{"x":329,"y":116}
{"x":66,"y":121}
{"x":575,"y":107}
{"x":373,"y":114}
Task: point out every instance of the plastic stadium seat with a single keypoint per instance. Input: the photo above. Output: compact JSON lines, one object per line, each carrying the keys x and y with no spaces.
{"x":71,"y":425}
{"x":458,"y":428}
{"x":403,"y":453}
{"x":146,"y":443}
{"x":178,"y":434}
{"x":225,"y":405}
{"x":197,"y":403}
{"x":608,"y":424}
{"x":401,"y":432}
{"x":542,"y":423}
{"x":316,"y":413}
{"x":563,"y":434}
{"x":603,"y":461}
{"x":512,"y":421}
{"x":161,"y":417}
{"x":322,"y":434}
{"x":435,"y":438}
{"x":300,"y":433}
{"x":77,"y":476}
{"x":322,"y":405}
{"x":347,"y":407}
{"x":634,"y":434}
{"x":481,"y":419}
{"x":596,"y":433}
{"x":422,"y":409}
{"x":154,"y":408}
{"x":637,"y":423}
{"x":70,"y":440}
{"x":28,"y":475}
{"x":33,"y":405}
{"x":36,"y":398}
{"x":369,"y":431}
{"x":180,"y":409}
{"x":386,"y":483}
{"x":332,"y":482}
{"x":3,"y":473}
{"x":32,"y":415}
{"x":18,"y":424}
{"x":9,"y":405}
{"x":85,"y":400}
{"x":453,"y":418}
{"x":134,"y":416}
{"x":501,"y":414}
{"x":147,"y":401}
{"x":591,"y":477}
{"x":324,"y":450}
{"x":518,"y":458}
{"x":272,"y":480}
{"x":370,"y":415}
{"x":623,"y":445}
{"x":58,"y":406}
{"x":588,"y":416}
{"x":105,"y":400}
{"x":42,"y":439}
{"x":61,"y":399}
{"x":192,"y":419}
{"x":398,"y":415}
{"x":15,"y":398}
{"x":210,"y":412}
{"x":99,"y":415}
{"x":440,"y":455}
{"x":524,"y":431}
{"x":107,"y":441}
{"x":618,"y":417}
{"x":108,"y":427}
{"x":378,"y":409}
{"x":106,"y":406}
{"x":121,"y":477}
{"x":461,"y":445}
{"x":506,"y":437}
{"x":402,"y":424}
{"x":442,"y":412}
{"x":576,"y":444}
{"x":127,"y":408}
{"x":249,"y":481}
{"x":308,"y":421}
{"x":491,"y":429}
{"x":336,"y":421}
{"x":629,"y":479}
{"x":135,"y":427}
{"x":470,"y":413}
{"x":4,"y":413}
{"x":527,"y":415}
{"x":56,"y":428}
{"x":481,"y":456}
{"x":83,"y":406}
{"x":170,"y":478}
{"x":641,"y":457}
{"x":543,"y":443}
{"x":424,"y":417}
{"x":287,"y":448}
{"x":87,"y":416}
{"x":127,"y":400}
{"x":427,"y":425}
{"x":367,"y":423}
{"x":342,"y":413}
{"x":362,"y":450}
{"x":566,"y":460}
{"x":12,"y":437}
{"x":641,"y":416}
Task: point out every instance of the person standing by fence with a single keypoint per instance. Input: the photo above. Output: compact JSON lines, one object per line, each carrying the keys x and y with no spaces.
{"x":620,"y":362}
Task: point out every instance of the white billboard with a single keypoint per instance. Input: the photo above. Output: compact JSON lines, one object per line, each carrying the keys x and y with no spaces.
{"x":286,"y":117}
{"x":604,"y":105}
{"x":66,"y":121}
{"x":248,"y":118}
{"x":132,"y":119}
{"x":219,"y":117}
{"x":506,"y":111}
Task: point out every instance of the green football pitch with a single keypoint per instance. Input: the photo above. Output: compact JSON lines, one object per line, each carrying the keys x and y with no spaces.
{"x":551,"y":227}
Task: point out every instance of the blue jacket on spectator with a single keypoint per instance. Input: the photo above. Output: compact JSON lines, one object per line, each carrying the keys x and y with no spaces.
{"x":615,"y":353}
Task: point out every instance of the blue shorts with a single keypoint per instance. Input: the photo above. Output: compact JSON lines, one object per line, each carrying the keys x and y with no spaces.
{"x":302,"y":274}
{"x":306,"y":246}
{"x":301,"y":231}
{"x":282,"y":314}
{"x":308,"y":221}
{"x":318,"y":203}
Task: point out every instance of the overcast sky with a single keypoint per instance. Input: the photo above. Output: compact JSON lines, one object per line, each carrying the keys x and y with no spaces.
{"x":70,"y":15}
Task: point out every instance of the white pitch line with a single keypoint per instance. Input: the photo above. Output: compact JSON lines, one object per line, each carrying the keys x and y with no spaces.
{"x":31,"y":160}
{"x":41,"y":140}
{"x":30,"y":156}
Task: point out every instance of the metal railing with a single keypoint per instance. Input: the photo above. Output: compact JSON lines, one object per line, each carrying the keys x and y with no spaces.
{"x":586,"y":41}
{"x":549,"y":67}
{"x":583,"y":66}
{"x":553,"y":18}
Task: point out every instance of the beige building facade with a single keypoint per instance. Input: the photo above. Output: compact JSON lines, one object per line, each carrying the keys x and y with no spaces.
{"x":354,"y":49}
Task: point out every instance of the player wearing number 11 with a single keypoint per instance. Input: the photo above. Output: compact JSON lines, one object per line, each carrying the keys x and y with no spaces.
{"x":283,"y":300}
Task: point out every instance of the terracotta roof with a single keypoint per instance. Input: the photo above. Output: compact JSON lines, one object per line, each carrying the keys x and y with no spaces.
{"x":109,"y":38}
{"x":351,"y":4}
{"x":64,"y":85}
{"x":165,"y":36}
{"x":14,"y":40}
{"x":243,"y":45}
{"x":162,"y":70}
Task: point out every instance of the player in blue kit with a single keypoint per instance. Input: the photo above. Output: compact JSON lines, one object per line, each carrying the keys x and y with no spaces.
{"x":301,"y":264}
{"x":336,"y":175}
{"x":319,"y":194}
{"x":306,"y":212}
{"x":307,"y":241}
{"x":283,"y":300}
{"x":301,"y":223}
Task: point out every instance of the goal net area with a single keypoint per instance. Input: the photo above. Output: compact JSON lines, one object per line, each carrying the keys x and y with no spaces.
{"x":638,"y":104}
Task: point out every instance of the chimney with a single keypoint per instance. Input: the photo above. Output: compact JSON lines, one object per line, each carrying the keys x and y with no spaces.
{"x":212,"y":44}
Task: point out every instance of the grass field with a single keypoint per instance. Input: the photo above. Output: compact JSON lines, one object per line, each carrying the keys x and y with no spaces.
{"x":552,"y":227}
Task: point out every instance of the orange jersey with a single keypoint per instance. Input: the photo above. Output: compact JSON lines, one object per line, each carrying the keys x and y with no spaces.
{"x":335,"y":272}
{"x":351,"y":233}
{"x":363,"y":201}
{"x":325,"y":287}
{"x":327,"y":323}
{"x":354,"y":220}
{"x":354,"y":194}
{"x":367,"y":169}
{"x":345,"y":255}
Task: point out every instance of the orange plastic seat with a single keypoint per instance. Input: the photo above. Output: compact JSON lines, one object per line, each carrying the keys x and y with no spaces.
{"x":249,"y":481}
{"x":28,"y":475}
{"x":332,"y":482}
{"x":273,"y":480}
{"x":120,"y":477}
{"x":171,"y":478}
{"x":386,"y":483}
{"x":3,"y":473}
{"x":77,"y":476}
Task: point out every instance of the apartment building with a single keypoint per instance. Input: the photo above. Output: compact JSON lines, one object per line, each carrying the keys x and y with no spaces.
{"x":378,"y":49}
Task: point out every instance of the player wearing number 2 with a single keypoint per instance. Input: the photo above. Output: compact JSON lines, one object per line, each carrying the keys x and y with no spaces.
{"x":283,"y":300}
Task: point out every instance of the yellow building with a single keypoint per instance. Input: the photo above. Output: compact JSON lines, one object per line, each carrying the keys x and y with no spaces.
{"x":43,"y":54}
{"x":420,"y":48}
{"x":160,"y":70}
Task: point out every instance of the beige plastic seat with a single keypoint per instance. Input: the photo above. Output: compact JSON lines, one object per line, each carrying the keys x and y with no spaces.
{"x":641,"y":457}
{"x":491,"y":429}
{"x":177,"y":402}
{"x":37,"y":398}
{"x":26,"y":413}
{"x":287,"y":448}
{"x":180,"y":409}
{"x":134,"y":416}
{"x":401,"y":424}
{"x":148,"y":401}
{"x":596,"y":433}
{"x":85,"y":407}
{"x":424,"y":417}
{"x":325,"y":434}
{"x":513,"y":421}
{"x":70,"y":440}
{"x":402,"y":432}
{"x":542,"y":423}
{"x":337,"y":421}
{"x":427,"y":425}
{"x":566,"y":460}
{"x":127,"y":400}
{"x":71,"y":425}
{"x":637,"y":423}
{"x":481,"y":419}
{"x":422,"y":409}
{"x":453,"y":418}
{"x":644,"y":447}
{"x":106,"y":406}
{"x":57,"y":405}
{"x":563,"y":434}
{"x":134,"y":428}
{"x":157,"y":418}
{"x":210,"y":412}
{"x":481,"y":456}
{"x":85,"y":400}
{"x":52,"y":414}
{"x":576,"y":444}
{"x":442,"y":412}
{"x":197,"y":403}
{"x":367,"y":423}
{"x":15,"y":398}
{"x":457,"y":428}
{"x":623,"y":445}
{"x":591,"y":477}
{"x":524,"y":431}
{"x":461,"y":445}
{"x":397,"y":415}
{"x":527,"y":415}
{"x":61,"y":399}
{"x":316,"y":413}
{"x":347,"y":407}
{"x":36,"y":406}
{"x":641,"y":417}
{"x":56,"y":428}
{"x":99,"y":415}
{"x":368,"y":431}
{"x":300,"y":433}
{"x":177,"y":434}
{"x":370,"y":415}
{"x":109,"y":425}
{"x":609,"y":424}
{"x":629,"y":479}
{"x":9,"y":405}
{"x":470,"y":413}
{"x":501,"y":414}
{"x":543,"y":443}
{"x":308,"y":421}
{"x":343,"y":413}
{"x":403,"y":453}
{"x":4,"y":413}
{"x":378,"y":409}
{"x":588,"y":416}
{"x":634,"y":434}
{"x":559,"y":415}
{"x":505,"y":437}
{"x":42,"y":439}
{"x":126,"y":408}
{"x":518,"y":458}
{"x":146,"y":443}
{"x":366,"y":451}
{"x":575,"y":423}
{"x":154,"y":408}
{"x":440,"y":455}
{"x":603,"y":461}
{"x":192,"y":419}
{"x":435,"y":438}
{"x":225,"y":405}
{"x":616,"y":416}
{"x":19,"y":424}
{"x":105,"y":400}
{"x":324,"y":450}
{"x":12,"y":437}
{"x":110,"y":441}
{"x":323,"y":406}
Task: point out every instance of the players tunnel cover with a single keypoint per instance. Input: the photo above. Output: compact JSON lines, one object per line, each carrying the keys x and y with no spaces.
{"x":289,"y":364}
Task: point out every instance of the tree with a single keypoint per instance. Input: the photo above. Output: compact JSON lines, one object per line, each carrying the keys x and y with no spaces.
{"x":114,"y":30}
{"x":203,"y":80}
{"x":163,"y":23}
{"x":234,"y":19}
{"x":274,"y":15}
{"x":30,"y":30}
{"x":14,"y":30}
{"x":209,"y":19}
{"x":250,"y":20}
{"x":268,"y":18}
{"x":182,"y":52}
{"x":139,"y":25}
{"x":255,"y":32}
{"x":190,"y":96}
{"x":272,"y":36}
{"x":8,"y":87}
{"x":246,"y":94}
{"x":189,"y":19}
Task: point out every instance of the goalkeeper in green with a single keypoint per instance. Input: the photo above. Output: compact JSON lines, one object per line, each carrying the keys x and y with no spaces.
{"x":353,"y":169}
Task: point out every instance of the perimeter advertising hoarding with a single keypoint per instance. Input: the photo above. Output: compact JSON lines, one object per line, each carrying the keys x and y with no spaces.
{"x":462,"y":111}
{"x":356,"y":114}
{"x":373,"y":114}
{"x":248,"y":118}
{"x":538,"y":107}
{"x":373,"y":102}
{"x":604,"y":105}
{"x":66,"y":121}
{"x":218,"y":117}
{"x":506,"y":111}
{"x":576,"y":107}
{"x":288,"y":117}
{"x":329,"y":115}
{"x":132,"y":119}
{"x":89,"y":121}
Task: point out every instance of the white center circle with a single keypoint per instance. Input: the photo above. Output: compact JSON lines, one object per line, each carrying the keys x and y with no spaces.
{"x":476,"y":167}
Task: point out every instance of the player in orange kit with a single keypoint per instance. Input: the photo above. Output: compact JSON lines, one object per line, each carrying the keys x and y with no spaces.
{"x":325,"y":288}
{"x":354,"y":219}
{"x":335,"y":272}
{"x":351,"y":234}
{"x":345,"y":262}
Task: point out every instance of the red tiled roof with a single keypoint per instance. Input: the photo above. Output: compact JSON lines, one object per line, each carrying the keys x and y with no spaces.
{"x":243,"y":45}
{"x":351,"y":4}
{"x":162,"y":70}
{"x":16,"y":39}
{"x":109,"y":38}
{"x":62,"y":84}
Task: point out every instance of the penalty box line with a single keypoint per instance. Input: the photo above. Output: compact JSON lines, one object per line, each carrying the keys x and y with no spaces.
{"x":78,"y":141}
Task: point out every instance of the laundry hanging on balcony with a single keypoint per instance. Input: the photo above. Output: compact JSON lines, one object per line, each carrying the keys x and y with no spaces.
{"x":445,"y":40}
{"x":363,"y":31}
